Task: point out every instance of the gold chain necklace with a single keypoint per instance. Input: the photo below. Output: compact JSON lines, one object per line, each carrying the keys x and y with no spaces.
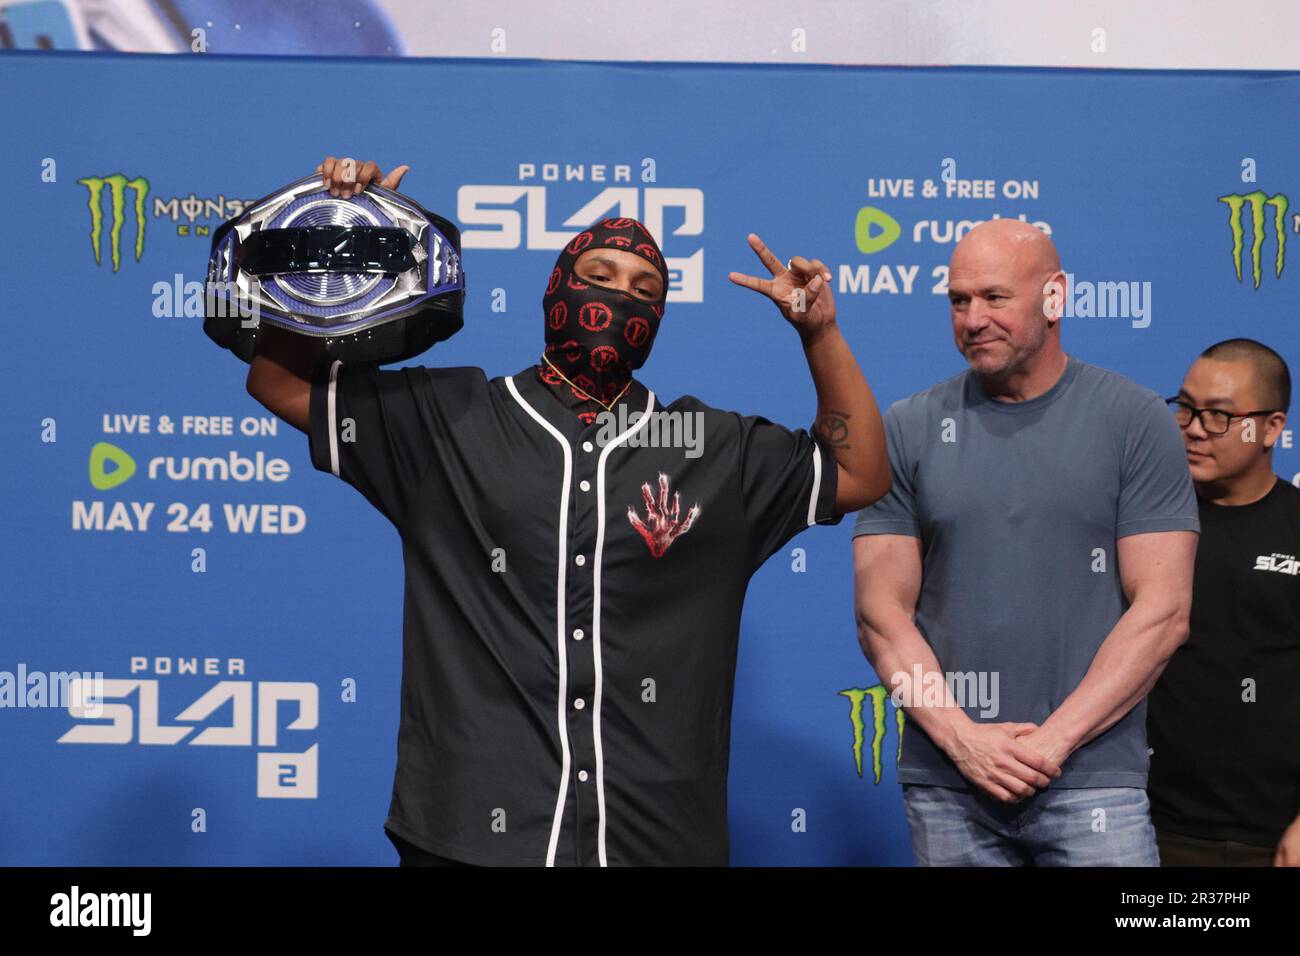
{"x":609,"y":407}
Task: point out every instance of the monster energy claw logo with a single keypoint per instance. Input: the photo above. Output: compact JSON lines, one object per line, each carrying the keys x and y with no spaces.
{"x":878,"y":695}
{"x":117,"y":185}
{"x":1257,"y":201}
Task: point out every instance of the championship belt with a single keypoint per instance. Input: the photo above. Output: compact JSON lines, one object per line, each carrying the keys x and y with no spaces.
{"x":376,"y":276}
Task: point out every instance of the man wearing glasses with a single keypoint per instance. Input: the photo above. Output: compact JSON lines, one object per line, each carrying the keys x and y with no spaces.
{"x":1224,"y":718}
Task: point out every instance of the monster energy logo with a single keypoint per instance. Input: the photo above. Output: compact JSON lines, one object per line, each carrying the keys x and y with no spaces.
{"x":1257,"y":201}
{"x":877,"y":695}
{"x":117,"y":187}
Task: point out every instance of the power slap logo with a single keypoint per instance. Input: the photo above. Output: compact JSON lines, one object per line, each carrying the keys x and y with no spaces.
{"x":515,"y":215}
{"x":1257,"y":220}
{"x":229,"y":713}
{"x":118,"y":201}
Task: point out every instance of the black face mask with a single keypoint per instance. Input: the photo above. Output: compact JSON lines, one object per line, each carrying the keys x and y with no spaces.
{"x":597,"y":335}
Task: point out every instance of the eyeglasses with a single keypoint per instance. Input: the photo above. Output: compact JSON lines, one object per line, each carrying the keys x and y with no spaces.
{"x":1213,"y":420}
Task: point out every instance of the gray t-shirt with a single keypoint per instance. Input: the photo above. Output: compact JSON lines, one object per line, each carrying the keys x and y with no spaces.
{"x":1018,"y":506}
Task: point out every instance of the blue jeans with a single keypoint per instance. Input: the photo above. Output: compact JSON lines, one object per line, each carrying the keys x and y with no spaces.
{"x":1089,"y":826}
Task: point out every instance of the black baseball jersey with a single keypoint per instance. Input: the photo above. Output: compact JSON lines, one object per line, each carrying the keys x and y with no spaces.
{"x":1226,"y":763}
{"x":572,"y":604}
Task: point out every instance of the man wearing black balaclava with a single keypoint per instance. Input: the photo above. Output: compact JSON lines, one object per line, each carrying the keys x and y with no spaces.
{"x":577,"y":555}
{"x":596,"y":335}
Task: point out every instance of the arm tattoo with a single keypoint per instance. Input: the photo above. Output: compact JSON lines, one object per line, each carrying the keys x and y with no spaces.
{"x":833,"y":427}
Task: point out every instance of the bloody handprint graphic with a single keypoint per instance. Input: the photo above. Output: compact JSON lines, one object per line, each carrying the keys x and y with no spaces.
{"x":662,"y":527}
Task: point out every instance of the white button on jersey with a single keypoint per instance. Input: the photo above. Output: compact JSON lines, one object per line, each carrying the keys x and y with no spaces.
{"x":585,"y":485}
{"x":582,"y":775}
{"x":579,"y":703}
{"x":586,"y":446}
{"x":580,"y":560}
{"x":578,"y":634}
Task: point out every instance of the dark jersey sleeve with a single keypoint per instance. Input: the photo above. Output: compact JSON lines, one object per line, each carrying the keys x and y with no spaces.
{"x":374,"y":428}
{"x":788,"y":481}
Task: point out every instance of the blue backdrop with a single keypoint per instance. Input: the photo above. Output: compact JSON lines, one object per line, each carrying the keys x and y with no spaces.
{"x":118,"y":167}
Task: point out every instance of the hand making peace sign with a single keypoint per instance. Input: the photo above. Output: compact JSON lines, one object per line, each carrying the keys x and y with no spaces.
{"x":799,"y":288}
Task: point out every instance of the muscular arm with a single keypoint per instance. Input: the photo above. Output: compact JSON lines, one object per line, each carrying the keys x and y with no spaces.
{"x":847,"y":419}
{"x":1156,"y":572}
{"x":887,"y":583}
{"x":280,"y":374}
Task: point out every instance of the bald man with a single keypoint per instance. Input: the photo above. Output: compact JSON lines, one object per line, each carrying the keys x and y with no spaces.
{"x":1224,"y":719}
{"x":1027,"y":578}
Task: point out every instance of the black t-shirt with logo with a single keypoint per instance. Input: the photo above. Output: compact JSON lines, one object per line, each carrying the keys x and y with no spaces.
{"x":1225,"y":767}
{"x":572,"y":604}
